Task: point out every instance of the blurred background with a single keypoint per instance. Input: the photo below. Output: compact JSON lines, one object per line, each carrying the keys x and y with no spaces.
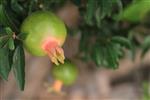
{"x":130,"y":81}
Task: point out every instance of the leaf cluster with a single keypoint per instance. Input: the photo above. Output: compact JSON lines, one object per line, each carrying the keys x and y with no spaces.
{"x":12,"y":13}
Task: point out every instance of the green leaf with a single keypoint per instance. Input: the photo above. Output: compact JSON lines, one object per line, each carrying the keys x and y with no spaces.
{"x":97,"y":16}
{"x":4,"y":63}
{"x":118,"y":49}
{"x":145,"y":45}
{"x":91,"y":7}
{"x":105,"y":7}
{"x":112,"y":56}
{"x":31,"y":5}
{"x":11,"y":44}
{"x":3,"y":19}
{"x":97,"y":55}
{"x":122,"y":41}
{"x":105,"y":56}
{"x":135,"y":12}
{"x":131,"y":36}
{"x":9,"y":31}
{"x":3,"y":41}
{"x":6,"y":18}
{"x":120,"y":5}
{"x":22,"y":36}
{"x":17,"y":7}
{"x":19,"y":66}
{"x":6,"y":38}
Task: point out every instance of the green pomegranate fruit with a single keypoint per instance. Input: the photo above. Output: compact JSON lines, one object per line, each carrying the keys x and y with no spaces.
{"x":45,"y":34}
{"x":66,"y":73}
{"x":63,"y":74}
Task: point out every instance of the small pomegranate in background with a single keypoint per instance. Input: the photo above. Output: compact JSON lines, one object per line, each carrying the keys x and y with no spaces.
{"x":64,"y":74}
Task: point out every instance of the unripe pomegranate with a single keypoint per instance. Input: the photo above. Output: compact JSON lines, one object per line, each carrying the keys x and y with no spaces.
{"x":45,"y":34}
{"x":63,"y":74}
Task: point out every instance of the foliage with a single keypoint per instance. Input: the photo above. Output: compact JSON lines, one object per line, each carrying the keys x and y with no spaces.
{"x":136,"y":11}
{"x":103,"y":35}
{"x":146,"y":45}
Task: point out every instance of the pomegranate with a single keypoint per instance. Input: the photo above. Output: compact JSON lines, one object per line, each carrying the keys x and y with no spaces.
{"x":45,"y":34}
{"x":63,"y":74}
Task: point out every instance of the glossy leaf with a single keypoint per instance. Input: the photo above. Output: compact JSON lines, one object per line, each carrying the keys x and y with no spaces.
{"x":6,"y":38}
{"x":4,"y":63}
{"x":107,"y":55}
{"x":91,"y":7}
{"x":3,"y":41}
{"x":3,"y":19}
{"x":112,"y":56}
{"x":6,"y":18}
{"x":19,"y":66}
{"x":16,"y":6}
{"x":97,"y":55}
{"x":105,"y":8}
{"x":11,"y":44}
{"x":9,"y":31}
{"x":22,"y":36}
{"x":122,"y":41}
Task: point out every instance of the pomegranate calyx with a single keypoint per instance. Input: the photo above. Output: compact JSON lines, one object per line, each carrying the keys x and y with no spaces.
{"x":54,"y":51}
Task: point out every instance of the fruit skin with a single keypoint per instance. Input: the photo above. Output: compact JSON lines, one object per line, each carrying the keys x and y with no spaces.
{"x":42,"y":26}
{"x":67,"y":73}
